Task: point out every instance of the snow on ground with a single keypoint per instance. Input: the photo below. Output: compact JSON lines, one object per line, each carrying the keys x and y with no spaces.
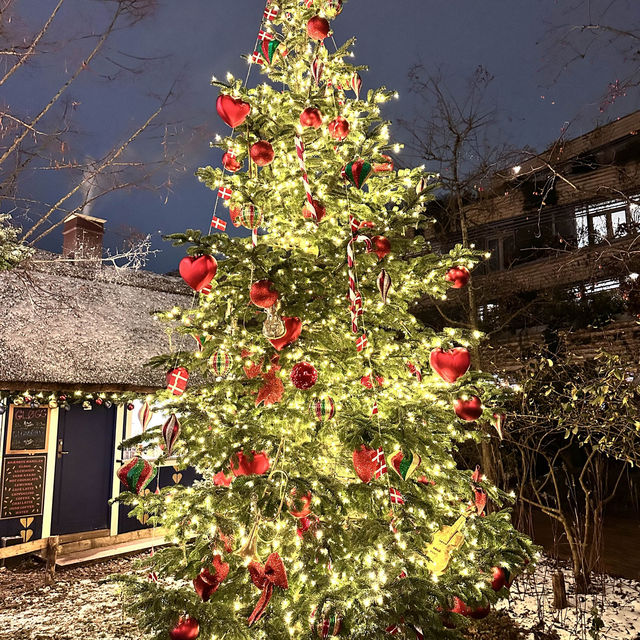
{"x":81,"y":606}
{"x":616,"y":603}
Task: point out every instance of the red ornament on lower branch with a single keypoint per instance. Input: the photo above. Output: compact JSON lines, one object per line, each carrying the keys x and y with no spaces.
{"x":263,"y":294}
{"x":339,"y":128}
{"x":381,"y":246}
{"x":311,"y":117}
{"x":304,"y":375}
{"x":469,"y":409}
{"x":458,"y":276}
{"x":243,"y":466}
{"x":262,"y":153}
{"x":186,"y":629}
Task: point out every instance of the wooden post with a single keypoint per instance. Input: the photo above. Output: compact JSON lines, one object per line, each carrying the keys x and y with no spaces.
{"x":559,"y":591}
{"x":51,"y":555}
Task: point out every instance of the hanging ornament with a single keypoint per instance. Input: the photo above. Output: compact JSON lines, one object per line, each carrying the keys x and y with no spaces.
{"x":414,"y":370}
{"x":421,"y":186}
{"x":268,"y":49}
{"x":274,"y":326}
{"x":326,"y":623}
{"x":318,"y":28}
{"x":144,"y":415}
{"x":468,"y":408}
{"x":322,"y":409}
{"x":263,"y":294}
{"x":500,"y":578}
{"x":272,"y":574}
{"x":304,"y":375}
{"x":230,"y":162}
{"x":220,"y":363}
{"x":317,"y":69}
{"x":177,"y":380}
{"x":272,"y":390}
{"x":356,"y":84}
{"x":381,"y":246}
{"x":251,"y":369}
{"x":498,"y":422}
{"x":459,"y":276}
{"x":315,"y":211}
{"x":405,"y":464}
{"x":233,"y":111}
{"x":311,"y":118}
{"x":357,"y":172}
{"x":384,"y":285}
{"x":305,"y":177}
{"x":210,"y":578}
{"x":293,"y":328}
{"x":186,"y":629}
{"x":256,"y":464}
{"x":339,"y":128}
{"x":304,"y":502}
{"x":220,"y":479}
{"x":198,"y":272}
{"x":450,"y":365}
{"x":384,"y":167}
{"x":170,"y":433}
{"x":136,"y":474}
{"x":477,"y":613}
{"x":369,"y":381}
{"x":248,"y":217}
{"x":262,"y":153}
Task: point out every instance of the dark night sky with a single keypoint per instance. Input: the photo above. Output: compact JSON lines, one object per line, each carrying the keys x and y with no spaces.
{"x":202,"y":38}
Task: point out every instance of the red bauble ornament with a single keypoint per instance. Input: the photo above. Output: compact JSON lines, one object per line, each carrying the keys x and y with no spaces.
{"x":469,"y":409}
{"x":130,"y":407}
{"x":311,"y":117}
{"x":262,"y":153}
{"x":230,"y":162}
{"x":305,"y":505}
{"x":365,"y":464}
{"x":501,"y":578}
{"x":321,"y":211}
{"x":318,"y":28}
{"x":384,"y":167}
{"x":293,"y":327}
{"x":459,"y":276}
{"x":233,"y":111}
{"x":450,"y":365}
{"x":304,"y":375}
{"x":463,"y":609}
{"x":339,"y":128}
{"x":381,"y":246}
{"x":244,"y":467}
{"x":198,"y":272}
{"x":186,"y":629}
{"x":263,"y":295}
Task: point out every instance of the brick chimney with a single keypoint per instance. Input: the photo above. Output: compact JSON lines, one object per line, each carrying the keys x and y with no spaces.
{"x":82,"y":237}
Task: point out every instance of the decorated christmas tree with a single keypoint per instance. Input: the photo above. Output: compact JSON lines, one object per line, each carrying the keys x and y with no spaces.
{"x":321,"y":416}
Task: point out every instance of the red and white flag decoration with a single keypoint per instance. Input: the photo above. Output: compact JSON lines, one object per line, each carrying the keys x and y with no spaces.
{"x":256,"y":58}
{"x":361,"y":343}
{"x":218,"y":223}
{"x":265,"y":35}
{"x":396,"y":496}
{"x":271,"y":13}
{"x":225,"y":193}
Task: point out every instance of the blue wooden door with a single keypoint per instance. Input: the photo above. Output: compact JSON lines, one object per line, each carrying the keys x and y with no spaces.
{"x":84,"y":470}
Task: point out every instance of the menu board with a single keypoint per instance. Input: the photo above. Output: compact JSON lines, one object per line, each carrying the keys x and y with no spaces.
{"x":22,"y":486}
{"x":28,"y":430}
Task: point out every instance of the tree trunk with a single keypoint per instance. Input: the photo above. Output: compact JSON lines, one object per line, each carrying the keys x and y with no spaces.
{"x":52,"y":556}
{"x":559,"y":591}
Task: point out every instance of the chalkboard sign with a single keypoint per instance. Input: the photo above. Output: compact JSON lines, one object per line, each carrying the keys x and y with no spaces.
{"x":22,"y":486}
{"x":28,"y":430}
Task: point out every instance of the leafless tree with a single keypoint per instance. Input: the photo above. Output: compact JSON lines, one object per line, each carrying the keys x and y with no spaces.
{"x":43,"y":142}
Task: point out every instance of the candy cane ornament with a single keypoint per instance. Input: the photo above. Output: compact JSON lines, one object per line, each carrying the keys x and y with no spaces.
{"x":305,"y":177}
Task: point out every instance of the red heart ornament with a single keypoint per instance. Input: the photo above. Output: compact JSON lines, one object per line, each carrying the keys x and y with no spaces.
{"x":381,"y":246}
{"x":198,"y":272}
{"x":233,"y":111}
{"x":293,"y":327}
{"x":245,"y":467}
{"x":450,"y":365}
{"x":365,"y":464}
{"x":469,"y":409}
{"x":458,"y":276}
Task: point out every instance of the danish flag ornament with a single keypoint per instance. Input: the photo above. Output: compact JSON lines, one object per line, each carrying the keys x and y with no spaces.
{"x":177,"y":380}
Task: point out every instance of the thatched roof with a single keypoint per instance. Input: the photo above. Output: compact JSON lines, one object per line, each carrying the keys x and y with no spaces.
{"x":66,"y":325}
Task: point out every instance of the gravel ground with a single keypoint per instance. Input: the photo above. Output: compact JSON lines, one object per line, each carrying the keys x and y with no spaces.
{"x":81,"y":606}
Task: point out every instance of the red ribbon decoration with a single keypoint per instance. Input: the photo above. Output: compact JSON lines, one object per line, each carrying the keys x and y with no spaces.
{"x":273,"y":574}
